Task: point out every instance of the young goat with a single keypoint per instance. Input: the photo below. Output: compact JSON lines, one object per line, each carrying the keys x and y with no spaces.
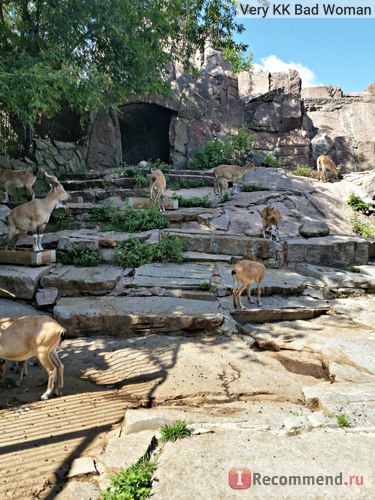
{"x":326,"y":168}
{"x":232,"y":173}
{"x":220,"y":185}
{"x":28,"y":336}
{"x":247,"y":271}
{"x":157,"y":186}
{"x":33,"y":217}
{"x":271,"y":219}
{"x":16,"y":179}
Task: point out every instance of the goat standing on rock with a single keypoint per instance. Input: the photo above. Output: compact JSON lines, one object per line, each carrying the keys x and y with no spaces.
{"x":271,"y":218}
{"x":247,"y":271}
{"x":157,"y":187}
{"x":16,"y":179}
{"x":29,"y":336}
{"x":232,"y":173}
{"x":33,"y":217}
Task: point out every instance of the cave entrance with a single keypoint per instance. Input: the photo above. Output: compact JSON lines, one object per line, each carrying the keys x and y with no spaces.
{"x":145,"y":132}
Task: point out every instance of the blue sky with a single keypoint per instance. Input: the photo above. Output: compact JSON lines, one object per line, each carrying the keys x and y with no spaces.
{"x":327,"y":51}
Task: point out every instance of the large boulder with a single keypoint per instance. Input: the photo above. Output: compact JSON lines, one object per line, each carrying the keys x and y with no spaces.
{"x":314,"y":229}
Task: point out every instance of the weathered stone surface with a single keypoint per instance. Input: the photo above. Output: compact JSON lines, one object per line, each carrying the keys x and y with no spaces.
{"x":362,"y":184}
{"x":21,"y":282}
{"x":313,"y":229}
{"x":172,"y":275}
{"x":85,"y":490}
{"x":361,"y":310}
{"x":46,"y":296}
{"x":12,"y":309}
{"x":128,"y":316}
{"x":75,"y":281}
{"x":122,"y":452}
{"x":82,"y":466}
{"x":322,"y":92}
{"x":289,"y":81}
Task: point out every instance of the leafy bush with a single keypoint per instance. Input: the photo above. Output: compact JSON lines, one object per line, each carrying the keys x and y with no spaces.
{"x":133,"y":483}
{"x":195,"y":201}
{"x":357,"y":204}
{"x":270,"y":161}
{"x":134,"y":172}
{"x":225,"y":198}
{"x":233,"y":147}
{"x":185,"y":184}
{"x":79,"y":255}
{"x":63,"y":220}
{"x":250,"y":187}
{"x":134,"y":253}
{"x":303,"y":170}
{"x":159,"y":165}
{"x":130,"y":220}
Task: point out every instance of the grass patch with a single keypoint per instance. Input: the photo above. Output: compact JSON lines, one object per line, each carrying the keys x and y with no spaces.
{"x":175,"y":431}
{"x":195,"y":201}
{"x":362,"y":228}
{"x":341,"y":419}
{"x":134,"y":253}
{"x":63,"y":220}
{"x":7,"y":383}
{"x":354,"y":269}
{"x":303,"y":170}
{"x":250,"y":187}
{"x":133,"y":172}
{"x":133,"y":483}
{"x":129,"y":219}
{"x":270,"y":161}
{"x":185,"y":184}
{"x":206,"y":286}
{"x":79,"y":255}
{"x":357,"y":204}
{"x":226,"y":197}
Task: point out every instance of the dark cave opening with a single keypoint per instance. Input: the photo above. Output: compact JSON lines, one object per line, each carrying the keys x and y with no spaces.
{"x":145,"y":132}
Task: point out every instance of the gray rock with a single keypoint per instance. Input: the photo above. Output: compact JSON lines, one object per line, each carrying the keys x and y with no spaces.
{"x":21,"y":282}
{"x":314,"y":229}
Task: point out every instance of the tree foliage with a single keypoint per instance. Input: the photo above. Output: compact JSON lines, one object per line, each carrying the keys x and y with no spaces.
{"x":92,"y":54}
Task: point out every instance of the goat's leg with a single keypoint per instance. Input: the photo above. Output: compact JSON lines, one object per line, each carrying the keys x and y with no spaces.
{"x":264,"y":225}
{"x":249,"y":294}
{"x":22,"y":366}
{"x":39,"y":232}
{"x":3,"y":363}
{"x":239,"y":293}
{"x":48,"y":365}
{"x":259,"y":289}
{"x":31,"y":192}
{"x":60,"y":372}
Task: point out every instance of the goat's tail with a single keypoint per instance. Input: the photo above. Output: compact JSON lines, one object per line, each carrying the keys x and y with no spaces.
{"x":62,"y":334}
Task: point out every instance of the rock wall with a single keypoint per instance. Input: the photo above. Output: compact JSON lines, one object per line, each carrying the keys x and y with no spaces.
{"x":296,"y":126}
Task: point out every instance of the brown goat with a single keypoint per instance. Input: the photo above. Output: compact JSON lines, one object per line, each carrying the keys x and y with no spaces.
{"x":220,"y":185}
{"x":33,"y":217}
{"x":157,"y":187}
{"x":232,"y":173}
{"x":245,"y":272}
{"x":326,"y":168}
{"x":271,"y":218}
{"x":33,"y":336}
{"x":16,"y":179}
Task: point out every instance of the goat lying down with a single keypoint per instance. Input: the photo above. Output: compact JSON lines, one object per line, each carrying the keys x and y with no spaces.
{"x":26,"y":337}
{"x":33,"y":216}
{"x":247,"y":271}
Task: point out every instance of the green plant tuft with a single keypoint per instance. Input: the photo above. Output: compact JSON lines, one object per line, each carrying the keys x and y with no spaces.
{"x":357,"y":204}
{"x":79,"y":255}
{"x":159,"y":165}
{"x":206,"y":286}
{"x":133,"y":483}
{"x":354,"y":269}
{"x":185,"y":184}
{"x":129,"y":220}
{"x":134,"y":253}
{"x":178,"y":430}
{"x":341,"y":419}
{"x":195,"y":201}
{"x":63,"y":220}
{"x":226,"y":197}
{"x":250,"y":187}
{"x":270,"y":161}
{"x":303,"y":170}
{"x":362,"y":228}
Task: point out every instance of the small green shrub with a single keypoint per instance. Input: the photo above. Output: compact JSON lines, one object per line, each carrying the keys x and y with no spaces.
{"x":303,"y":170}
{"x":225,"y":198}
{"x":175,"y":431}
{"x":195,"y":201}
{"x":270,"y":161}
{"x":354,"y":269}
{"x":185,"y":184}
{"x":159,"y":165}
{"x":250,"y":187}
{"x":362,"y":228}
{"x":134,"y":253}
{"x":79,"y":255}
{"x":130,"y":220}
{"x":357,"y":204}
{"x":134,"y":172}
{"x":206,"y":286}
{"x":133,"y":483}
{"x":63,"y":220}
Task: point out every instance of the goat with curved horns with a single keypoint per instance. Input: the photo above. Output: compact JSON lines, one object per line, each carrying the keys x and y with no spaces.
{"x":33,"y":216}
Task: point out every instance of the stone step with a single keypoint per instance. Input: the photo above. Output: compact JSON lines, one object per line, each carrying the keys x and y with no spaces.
{"x":276,"y":308}
{"x":97,"y":195}
{"x":132,"y":316}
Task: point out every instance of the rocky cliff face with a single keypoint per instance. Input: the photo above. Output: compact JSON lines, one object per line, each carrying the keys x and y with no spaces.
{"x":296,"y":126}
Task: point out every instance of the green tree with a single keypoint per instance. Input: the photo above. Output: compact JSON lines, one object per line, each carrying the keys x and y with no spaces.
{"x":239,"y":59}
{"x":92,"y":54}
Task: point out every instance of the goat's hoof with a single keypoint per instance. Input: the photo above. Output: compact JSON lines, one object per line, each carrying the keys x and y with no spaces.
{"x":58,"y":392}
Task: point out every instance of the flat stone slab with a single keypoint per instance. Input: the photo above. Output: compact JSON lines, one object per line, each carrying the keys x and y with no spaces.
{"x":295,"y":462}
{"x":361,"y":310}
{"x":12,"y":309}
{"x":355,"y":401}
{"x":76,"y":281}
{"x":276,"y":308}
{"x":184,"y":275}
{"x":21,"y":282}
{"x":338,"y":278}
{"x":338,"y":341}
{"x":127,"y":316}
